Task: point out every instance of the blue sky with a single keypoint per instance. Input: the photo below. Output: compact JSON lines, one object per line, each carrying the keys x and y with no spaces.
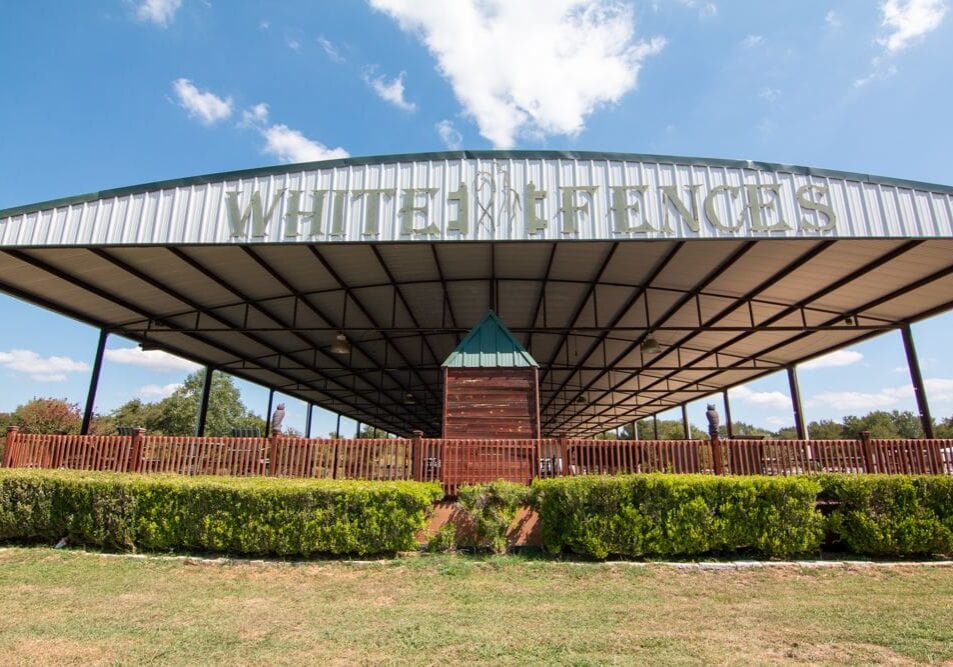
{"x":117,"y":92}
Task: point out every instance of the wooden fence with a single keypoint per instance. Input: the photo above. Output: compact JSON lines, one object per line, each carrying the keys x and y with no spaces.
{"x":468,"y":461}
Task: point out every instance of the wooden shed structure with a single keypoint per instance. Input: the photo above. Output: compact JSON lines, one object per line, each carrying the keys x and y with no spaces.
{"x":490,"y":407}
{"x":490,"y":386}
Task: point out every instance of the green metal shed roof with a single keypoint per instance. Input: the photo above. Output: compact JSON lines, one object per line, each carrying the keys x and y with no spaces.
{"x":489,"y":345}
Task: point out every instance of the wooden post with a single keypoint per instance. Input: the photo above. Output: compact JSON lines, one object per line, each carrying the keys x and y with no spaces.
{"x":417,"y":456}
{"x":135,"y":451}
{"x":936,"y":457}
{"x":870,"y":456}
{"x":716,"y":460}
{"x":11,"y":441}
{"x":564,"y":452}
{"x":273,"y":453}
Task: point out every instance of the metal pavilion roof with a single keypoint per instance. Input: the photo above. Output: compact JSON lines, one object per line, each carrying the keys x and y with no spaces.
{"x":725,"y":307}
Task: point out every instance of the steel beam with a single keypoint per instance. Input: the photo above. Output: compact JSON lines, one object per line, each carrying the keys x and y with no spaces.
{"x":729,"y":429}
{"x":674,"y":308}
{"x":312,"y":345}
{"x":580,"y":306}
{"x":850,"y":277}
{"x":94,"y":382}
{"x":641,"y":292}
{"x":271,"y":400}
{"x":203,"y":403}
{"x":373,"y":320}
{"x":307,"y":421}
{"x":919,"y":390}
{"x":796,"y":406}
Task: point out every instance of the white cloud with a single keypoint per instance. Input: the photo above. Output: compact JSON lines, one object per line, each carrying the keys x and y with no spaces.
{"x":204,"y":105}
{"x":390,"y":91}
{"x":264,"y":24}
{"x":775,"y":420}
{"x":289,"y":145}
{"x":765,"y":399}
{"x":939,"y":389}
{"x":41,"y":369}
{"x":833,"y":359}
{"x":155,"y":391}
{"x":833,"y":19}
{"x":449,"y":135}
{"x":155,"y":360}
{"x":705,"y":9}
{"x":255,"y":115}
{"x":769,"y":94}
{"x":751,"y":41}
{"x":285,"y":143}
{"x":293,"y":44}
{"x":534,"y":66}
{"x":330,"y":49}
{"x":879,"y":70}
{"x":906,"y":21}
{"x":160,"y":12}
{"x":858,"y":400}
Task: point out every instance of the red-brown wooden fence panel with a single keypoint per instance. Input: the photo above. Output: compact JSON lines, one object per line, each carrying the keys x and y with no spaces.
{"x":614,"y":457}
{"x":455,"y":462}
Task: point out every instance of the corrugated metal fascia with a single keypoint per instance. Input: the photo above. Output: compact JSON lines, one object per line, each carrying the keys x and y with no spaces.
{"x":274,"y":170}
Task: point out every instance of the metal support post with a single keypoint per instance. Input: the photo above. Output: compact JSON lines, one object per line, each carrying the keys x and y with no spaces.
{"x":919,"y":391}
{"x":635,"y":430}
{"x":94,"y":382}
{"x":271,"y":399}
{"x":203,"y":403}
{"x":655,"y":426}
{"x":357,"y":430}
{"x":685,"y":425}
{"x":799,"y":424}
{"x":307,"y":421}
{"x":337,"y":429}
{"x":729,"y":429}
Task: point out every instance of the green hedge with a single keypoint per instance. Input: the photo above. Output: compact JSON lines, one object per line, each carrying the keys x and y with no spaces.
{"x":679,"y":515}
{"x":221,"y":514}
{"x":891,"y":515}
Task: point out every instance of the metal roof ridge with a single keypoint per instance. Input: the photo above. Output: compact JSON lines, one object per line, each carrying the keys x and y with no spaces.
{"x":489,"y":319}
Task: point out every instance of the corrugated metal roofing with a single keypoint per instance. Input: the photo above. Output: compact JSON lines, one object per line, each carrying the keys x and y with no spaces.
{"x":489,"y":345}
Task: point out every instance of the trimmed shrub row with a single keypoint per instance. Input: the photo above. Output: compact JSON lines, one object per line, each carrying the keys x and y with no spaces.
{"x":890,"y":515}
{"x":777,"y":517}
{"x":679,"y":515}
{"x":284,"y":517}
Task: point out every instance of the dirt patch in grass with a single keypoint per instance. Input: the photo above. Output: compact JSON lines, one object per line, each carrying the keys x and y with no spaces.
{"x":63,"y":607}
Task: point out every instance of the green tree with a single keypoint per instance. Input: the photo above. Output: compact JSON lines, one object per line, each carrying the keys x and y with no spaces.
{"x":48,"y":415}
{"x":178,"y":414}
{"x":826,"y":429}
{"x":882,"y":424}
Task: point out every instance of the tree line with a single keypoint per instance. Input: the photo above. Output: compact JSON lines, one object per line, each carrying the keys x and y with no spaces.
{"x":176,"y":414}
{"x":880,"y":424}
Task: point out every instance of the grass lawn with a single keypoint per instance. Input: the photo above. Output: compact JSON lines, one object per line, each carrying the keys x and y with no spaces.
{"x":75,"y":607}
